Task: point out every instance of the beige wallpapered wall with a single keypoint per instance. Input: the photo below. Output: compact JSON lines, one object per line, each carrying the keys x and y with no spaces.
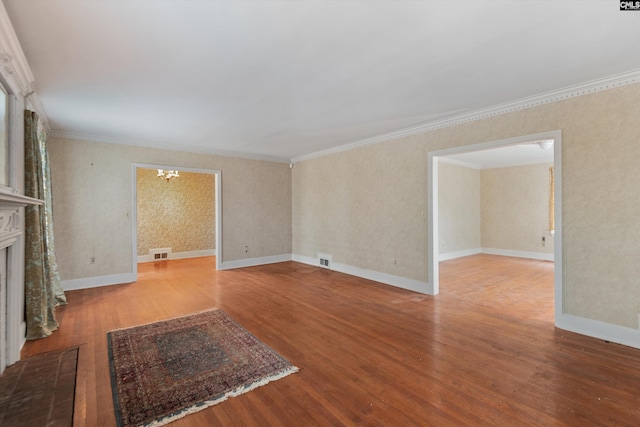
{"x":92,"y":186}
{"x":364,"y":206}
{"x":458,"y":208}
{"x":515,"y":208}
{"x":502,"y":208}
{"x":178,"y":214}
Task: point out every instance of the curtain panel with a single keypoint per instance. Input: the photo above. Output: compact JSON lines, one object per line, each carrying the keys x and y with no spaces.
{"x":43,"y":289}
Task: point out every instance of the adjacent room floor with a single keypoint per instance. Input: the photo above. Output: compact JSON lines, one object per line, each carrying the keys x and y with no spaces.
{"x":483,"y":352}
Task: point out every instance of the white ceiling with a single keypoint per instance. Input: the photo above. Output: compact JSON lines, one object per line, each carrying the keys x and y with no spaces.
{"x":289,"y":78}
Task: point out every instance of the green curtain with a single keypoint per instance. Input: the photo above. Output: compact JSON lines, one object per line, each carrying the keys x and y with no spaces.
{"x":43,"y":290}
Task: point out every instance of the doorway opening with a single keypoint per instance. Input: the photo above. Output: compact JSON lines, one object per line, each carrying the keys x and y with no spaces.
{"x":214,"y":192}
{"x":433,"y":205}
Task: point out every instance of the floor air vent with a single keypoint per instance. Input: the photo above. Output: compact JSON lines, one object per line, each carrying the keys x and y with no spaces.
{"x":324,"y":261}
{"x":160,"y":254}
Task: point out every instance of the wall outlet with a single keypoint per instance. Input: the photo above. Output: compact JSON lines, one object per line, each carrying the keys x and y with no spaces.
{"x":246,"y":249}
{"x":92,"y":260}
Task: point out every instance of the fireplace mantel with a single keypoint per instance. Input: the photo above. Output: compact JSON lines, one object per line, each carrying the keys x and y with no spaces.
{"x":10,"y":216}
{"x":12,"y":325}
{"x":18,"y":200}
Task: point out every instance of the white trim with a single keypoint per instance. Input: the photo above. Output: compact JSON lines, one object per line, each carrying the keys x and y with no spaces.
{"x":306,"y":260}
{"x":586,"y":88}
{"x":12,"y":60}
{"x":251,"y":262}
{"x":601,"y":330}
{"x":18,"y":200}
{"x":22,"y":340}
{"x":376,"y":276}
{"x":165,"y":146}
{"x":519,"y":254}
{"x":459,"y":254}
{"x":97,"y":281}
{"x":492,"y":251}
{"x":179,"y":255}
{"x":432,"y":224}
{"x":557,"y":233}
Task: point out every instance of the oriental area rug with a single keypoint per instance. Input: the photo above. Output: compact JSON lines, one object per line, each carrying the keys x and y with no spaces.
{"x":165,"y":370}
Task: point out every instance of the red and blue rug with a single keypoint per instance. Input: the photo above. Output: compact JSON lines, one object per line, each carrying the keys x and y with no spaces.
{"x":165,"y":370}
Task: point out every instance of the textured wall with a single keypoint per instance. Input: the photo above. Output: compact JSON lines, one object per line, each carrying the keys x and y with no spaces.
{"x":92,"y":202}
{"x":459,"y":208}
{"x":515,"y":208}
{"x":363,"y":206}
{"x":179,"y":214}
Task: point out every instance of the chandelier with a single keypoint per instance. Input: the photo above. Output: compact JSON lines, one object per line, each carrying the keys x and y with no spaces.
{"x":167,"y":175}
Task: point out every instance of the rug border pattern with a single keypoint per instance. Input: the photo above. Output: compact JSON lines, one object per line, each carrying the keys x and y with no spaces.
{"x":201,"y":405}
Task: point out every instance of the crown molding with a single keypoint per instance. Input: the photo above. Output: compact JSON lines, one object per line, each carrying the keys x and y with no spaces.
{"x":592,"y":86}
{"x":15,"y":69}
{"x":166,"y":146}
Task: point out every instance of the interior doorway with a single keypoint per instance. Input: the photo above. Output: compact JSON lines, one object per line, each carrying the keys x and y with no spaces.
{"x":216,"y":201}
{"x":433,"y":208}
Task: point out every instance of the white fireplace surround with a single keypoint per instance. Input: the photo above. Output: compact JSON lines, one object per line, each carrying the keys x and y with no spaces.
{"x":13,"y":325}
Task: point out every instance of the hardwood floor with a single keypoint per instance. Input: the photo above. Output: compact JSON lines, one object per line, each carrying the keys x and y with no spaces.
{"x":483,"y":352}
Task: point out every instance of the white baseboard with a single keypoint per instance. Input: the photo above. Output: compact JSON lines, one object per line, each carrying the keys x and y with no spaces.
{"x":519,"y":254}
{"x":94,"y":282}
{"x":305,"y":260}
{"x":601,"y":330}
{"x":458,"y":254}
{"x":23,"y":334}
{"x":251,"y":262}
{"x":180,"y":255}
{"x":388,"y":279}
{"x":491,"y":251}
{"x":593,"y":328}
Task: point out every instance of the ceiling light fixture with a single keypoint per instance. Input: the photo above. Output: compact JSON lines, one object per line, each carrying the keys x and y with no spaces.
{"x":167,"y":175}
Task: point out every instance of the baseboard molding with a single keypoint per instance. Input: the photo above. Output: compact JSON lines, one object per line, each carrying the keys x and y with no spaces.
{"x":376,"y":276}
{"x":97,"y":281}
{"x":519,"y":254}
{"x":601,"y":330}
{"x":458,"y":254}
{"x":307,"y":260}
{"x":491,"y":251}
{"x":251,"y":262}
{"x":179,"y":255}
{"x":23,"y":334}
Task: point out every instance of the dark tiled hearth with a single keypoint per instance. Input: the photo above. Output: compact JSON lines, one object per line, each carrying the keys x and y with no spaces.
{"x":39,"y":391}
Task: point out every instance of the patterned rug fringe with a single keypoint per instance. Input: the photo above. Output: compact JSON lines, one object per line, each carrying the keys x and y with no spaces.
{"x":232,"y":393}
{"x":165,"y":370}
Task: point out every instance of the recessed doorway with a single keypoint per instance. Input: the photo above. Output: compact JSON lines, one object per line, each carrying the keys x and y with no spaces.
{"x":215,"y":224}
{"x":433,"y":205}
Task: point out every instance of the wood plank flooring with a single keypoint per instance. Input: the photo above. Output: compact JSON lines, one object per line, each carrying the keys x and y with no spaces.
{"x":483,"y":352}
